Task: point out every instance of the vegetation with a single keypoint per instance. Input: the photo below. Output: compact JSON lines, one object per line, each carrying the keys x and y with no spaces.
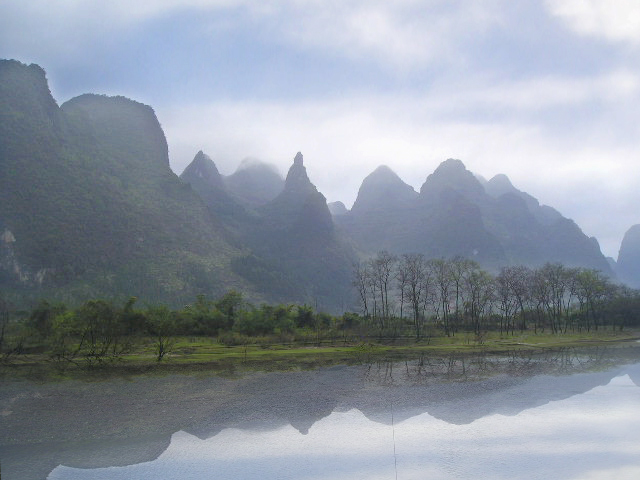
{"x":457,"y":295}
{"x":408,"y":303}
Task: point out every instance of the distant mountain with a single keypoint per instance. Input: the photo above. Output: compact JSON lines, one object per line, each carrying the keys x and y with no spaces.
{"x":292,"y":252}
{"x":89,"y":205}
{"x":298,"y":239}
{"x":254,"y":183}
{"x":457,"y":213}
{"x":383,"y":191}
{"x":300,"y":209}
{"x":628,"y":265}
{"x":337,"y":208}
{"x":500,"y":185}
{"x":205,"y":179}
{"x":381,"y":213}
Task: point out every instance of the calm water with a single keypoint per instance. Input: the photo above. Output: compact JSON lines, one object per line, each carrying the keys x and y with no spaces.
{"x":567,"y":414}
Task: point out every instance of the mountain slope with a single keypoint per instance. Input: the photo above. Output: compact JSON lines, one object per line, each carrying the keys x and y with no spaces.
{"x":457,"y":214}
{"x":297,"y":241}
{"x":88,"y":201}
{"x":203,"y":176}
{"x":628,"y":265}
{"x":254,"y":183}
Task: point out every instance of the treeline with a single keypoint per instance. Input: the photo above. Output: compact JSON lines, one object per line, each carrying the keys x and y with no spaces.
{"x":100,"y":330}
{"x":402,"y":297}
{"x":456,"y":294}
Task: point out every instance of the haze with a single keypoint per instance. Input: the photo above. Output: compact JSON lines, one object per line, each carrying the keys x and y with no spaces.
{"x":545,"y":92}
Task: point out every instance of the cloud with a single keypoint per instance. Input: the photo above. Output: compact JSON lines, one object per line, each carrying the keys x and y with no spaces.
{"x":616,"y":21}
{"x":403,"y":35}
{"x":357,"y":83}
{"x":585,"y":168}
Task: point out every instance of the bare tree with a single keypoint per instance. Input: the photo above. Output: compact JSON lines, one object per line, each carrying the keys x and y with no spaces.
{"x":418,"y":284}
{"x":382,"y":267}
{"x":441,"y":273}
{"x":478,"y":286}
{"x":592,"y":289}
{"x":459,"y":268}
{"x":506,"y":300}
{"x":514,"y":284}
{"x":361,"y":282}
{"x":402,"y":277}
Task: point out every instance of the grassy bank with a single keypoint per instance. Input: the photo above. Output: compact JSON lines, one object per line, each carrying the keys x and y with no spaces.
{"x":189,"y":354}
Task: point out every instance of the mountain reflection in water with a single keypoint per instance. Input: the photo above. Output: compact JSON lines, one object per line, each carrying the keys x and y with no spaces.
{"x":562,"y":414}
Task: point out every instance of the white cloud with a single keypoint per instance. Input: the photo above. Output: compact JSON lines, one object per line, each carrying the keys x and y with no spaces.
{"x":617,"y":20}
{"x":588,"y":171}
{"x":551,"y":91}
{"x":560,"y":136}
{"x":402,"y":35}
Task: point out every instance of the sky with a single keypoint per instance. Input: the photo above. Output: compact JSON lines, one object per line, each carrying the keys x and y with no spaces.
{"x":546,"y":92}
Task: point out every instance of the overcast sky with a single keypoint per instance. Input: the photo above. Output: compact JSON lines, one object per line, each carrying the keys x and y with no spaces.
{"x":547,"y":92}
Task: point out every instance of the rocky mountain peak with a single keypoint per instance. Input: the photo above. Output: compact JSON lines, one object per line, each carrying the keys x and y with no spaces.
{"x":297,"y":181}
{"x":499,"y":185}
{"x":337,"y":208}
{"x":117,"y":120}
{"x":203,"y":168}
{"x":383,"y":189}
{"x":255,"y":182}
{"x":300,"y":207}
{"x":452,"y":174}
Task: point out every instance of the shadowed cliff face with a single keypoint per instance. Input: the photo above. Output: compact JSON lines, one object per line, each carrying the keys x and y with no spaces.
{"x":628,"y":265}
{"x":131,"y":421}
{"x":296,"y":235}
{"x":301,"y":205}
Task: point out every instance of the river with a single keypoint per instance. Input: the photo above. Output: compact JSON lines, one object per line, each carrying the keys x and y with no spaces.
{"x":570,"y":414}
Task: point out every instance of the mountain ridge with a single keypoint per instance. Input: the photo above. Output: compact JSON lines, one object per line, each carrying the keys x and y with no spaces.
{"x":89,"y":202}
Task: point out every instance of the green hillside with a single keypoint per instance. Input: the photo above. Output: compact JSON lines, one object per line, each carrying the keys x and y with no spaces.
{"x":89,"y":205}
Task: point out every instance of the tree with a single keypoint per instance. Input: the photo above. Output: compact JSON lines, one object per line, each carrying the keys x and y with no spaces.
{"x":361,"y":282}
{"x":229,"y":305}
{"x":459,"y":268}
{"x":304,"y":317}
{"x":592,"y":290}
{"x":478,"y":286}
{"x":10,"y":344}
{"x":382,"y":267}
{"x":417,"y":284}
{"x":513,"y":290}
{"x":101,"y":331}
{"x":205,"y":318}
{"x":162,"y":325}
{"x":441,"y":272}
{"x":132,"y":319}
{"x":4,"y":321}
{"x":41,"y":318}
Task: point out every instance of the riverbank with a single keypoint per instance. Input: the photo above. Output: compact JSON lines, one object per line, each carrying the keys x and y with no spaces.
{"x":207,"y":354}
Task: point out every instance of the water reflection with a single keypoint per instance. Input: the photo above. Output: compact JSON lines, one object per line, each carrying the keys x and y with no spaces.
{"x":565,"y":414}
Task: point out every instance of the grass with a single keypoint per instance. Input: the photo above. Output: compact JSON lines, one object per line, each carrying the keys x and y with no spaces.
{"x":201,"y":353}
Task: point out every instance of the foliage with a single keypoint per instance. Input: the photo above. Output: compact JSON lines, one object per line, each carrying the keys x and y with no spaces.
{"x":552,"y":300}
